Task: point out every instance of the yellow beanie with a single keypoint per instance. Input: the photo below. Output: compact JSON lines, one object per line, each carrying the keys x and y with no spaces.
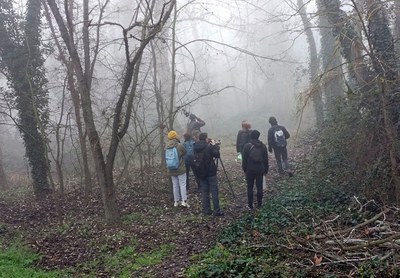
{"x":172,"y":135}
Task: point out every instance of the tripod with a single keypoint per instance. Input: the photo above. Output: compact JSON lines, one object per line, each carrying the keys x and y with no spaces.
{"x":226,"y":175}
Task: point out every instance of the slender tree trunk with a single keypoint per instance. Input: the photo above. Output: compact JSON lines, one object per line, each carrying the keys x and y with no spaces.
{"x":159,"y":105}
{"x":87,"y":177}
{"x":77,"y":106}
{"x":173,"y":75}
{"x":3,"y":177}
{"x":314,"y":66}
{"x":123,"y":107}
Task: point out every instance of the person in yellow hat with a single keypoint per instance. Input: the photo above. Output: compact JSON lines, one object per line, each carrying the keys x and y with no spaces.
{"x":175,"y":163}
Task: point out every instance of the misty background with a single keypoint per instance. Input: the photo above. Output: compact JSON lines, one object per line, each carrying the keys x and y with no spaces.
{"x":235,"y":60}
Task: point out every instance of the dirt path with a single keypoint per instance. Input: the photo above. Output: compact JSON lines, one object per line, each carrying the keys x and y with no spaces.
{"x":69,"y":234}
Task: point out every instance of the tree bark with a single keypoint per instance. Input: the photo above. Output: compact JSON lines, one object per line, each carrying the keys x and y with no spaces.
{"x":104,"y":168}
{"x":386,"y":66}
{"x":3,"y":177}
{"x":313,"y":65}
{"x":331,"y":63}
{"x":22,"y":59}
{"x":87,"y":178}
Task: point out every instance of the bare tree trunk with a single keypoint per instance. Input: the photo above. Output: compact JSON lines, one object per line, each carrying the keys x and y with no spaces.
{"x":123,"y":107}
{"x":77,"y":106}
{"x":3,"y":177}
{"x":171,"y":113}
{"x":314,"y":66}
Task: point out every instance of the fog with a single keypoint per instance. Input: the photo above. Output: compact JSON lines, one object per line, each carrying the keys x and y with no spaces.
{"x":252,"y":49}
{"x":235,"y":60}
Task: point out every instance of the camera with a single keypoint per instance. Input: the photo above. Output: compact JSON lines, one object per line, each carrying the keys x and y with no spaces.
{"x":211,"y":141}
{"x":186,"y":113}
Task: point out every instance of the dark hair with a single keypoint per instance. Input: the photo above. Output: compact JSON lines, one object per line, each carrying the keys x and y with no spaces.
{"x":273,"y":121}
{"x":254,"y":134}
{"x":203,"y":136}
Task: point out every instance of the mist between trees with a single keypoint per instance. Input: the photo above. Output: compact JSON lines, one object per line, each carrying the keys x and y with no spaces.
{"x":90,"y":89}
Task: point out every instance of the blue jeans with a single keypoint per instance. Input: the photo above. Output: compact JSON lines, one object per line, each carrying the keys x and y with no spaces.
{"x":250,"y":185}
{"x":210,"y":185}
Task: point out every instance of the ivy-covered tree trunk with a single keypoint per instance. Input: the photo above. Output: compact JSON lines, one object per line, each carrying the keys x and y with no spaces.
{"x":330,"y":61}
{"x":350,"y":44}
{"x":386,"y":66}
{"x":313,"y":65}
{"x":22,"y":62}
{"x":397,"y":27}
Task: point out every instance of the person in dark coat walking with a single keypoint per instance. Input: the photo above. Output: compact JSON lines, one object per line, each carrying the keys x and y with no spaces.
{"x":255,"y":165}
{"x":243,"y":137}
{"x":277,"y":136}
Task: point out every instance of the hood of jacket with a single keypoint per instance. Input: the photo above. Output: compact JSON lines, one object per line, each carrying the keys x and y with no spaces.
{"x":172,"y":143}
{"x":199,"y":146}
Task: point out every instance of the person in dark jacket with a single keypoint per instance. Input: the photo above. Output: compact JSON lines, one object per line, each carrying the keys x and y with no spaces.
{"x":280,"y":150}
{"x":195,"y":124}
{"x":255,"y":165}
{"x":243,"y":136}
{"x":208,"y":178}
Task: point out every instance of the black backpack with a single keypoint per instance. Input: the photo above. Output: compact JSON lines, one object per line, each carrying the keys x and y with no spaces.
{"x":280,"y":139}
{"x":256,"y":154}
{"x":199,"y":163}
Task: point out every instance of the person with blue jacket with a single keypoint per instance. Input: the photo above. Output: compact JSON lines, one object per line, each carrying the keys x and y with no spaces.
{"x":188,"y":144}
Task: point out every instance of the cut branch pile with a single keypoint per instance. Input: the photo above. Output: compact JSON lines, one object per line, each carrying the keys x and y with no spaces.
{"x":331,"y":245}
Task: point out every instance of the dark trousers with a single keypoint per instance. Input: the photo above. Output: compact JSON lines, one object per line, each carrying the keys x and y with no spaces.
{"x":187,"y":178}
{"x":210,"y":185}
{"x":258,"y":178}
{"x":187,"y":165}
{"x":281,"y":156}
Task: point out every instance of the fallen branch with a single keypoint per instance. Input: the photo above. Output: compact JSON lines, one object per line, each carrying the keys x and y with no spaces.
{"x":373,"y":243}
{"x":376,"y":217}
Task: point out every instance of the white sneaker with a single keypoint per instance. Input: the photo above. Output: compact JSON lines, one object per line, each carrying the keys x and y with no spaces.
{"x":185,"y":204}
{"x":176,"y":204}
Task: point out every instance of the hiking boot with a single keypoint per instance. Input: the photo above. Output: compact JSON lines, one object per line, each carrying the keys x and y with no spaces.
{"x":219,"y":214}
{"x":185,"y":204}
{"x":176,"y":204}
{"x":249,"y":208}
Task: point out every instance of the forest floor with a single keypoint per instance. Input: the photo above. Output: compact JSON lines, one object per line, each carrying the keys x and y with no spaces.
{"x":154,"y":239}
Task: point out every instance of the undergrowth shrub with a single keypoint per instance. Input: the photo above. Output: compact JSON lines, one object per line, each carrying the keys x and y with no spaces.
{"x":352,"y":154}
